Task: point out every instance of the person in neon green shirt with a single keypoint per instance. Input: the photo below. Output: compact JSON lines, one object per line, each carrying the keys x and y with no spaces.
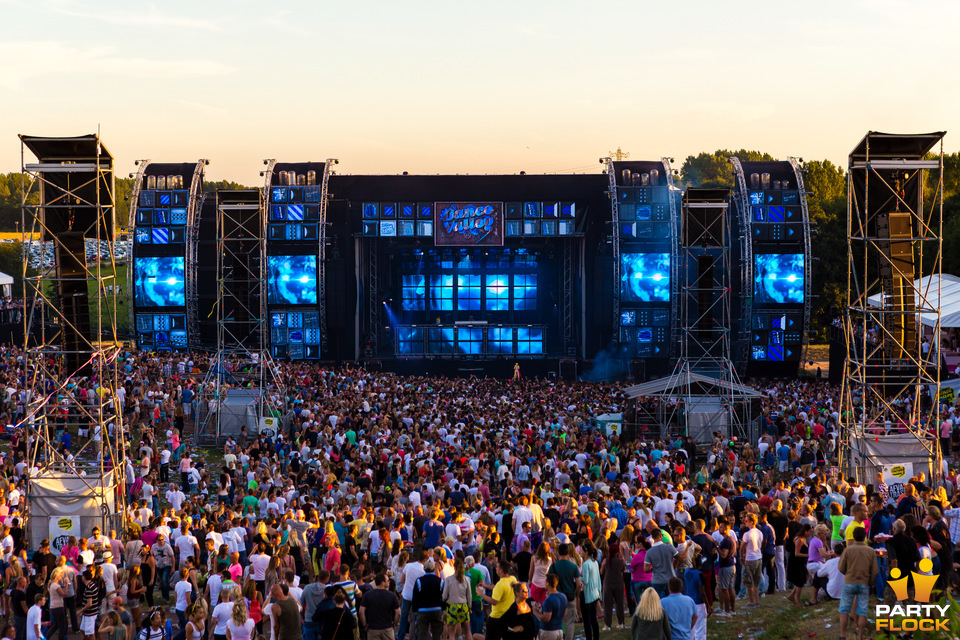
{"x":836,"y":518}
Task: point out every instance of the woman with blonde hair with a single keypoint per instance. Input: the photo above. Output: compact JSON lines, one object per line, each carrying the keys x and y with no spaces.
{"x":112,"y":628}
{"x":539,"y":566}
{"x":650,"y":621}
{"x":240,"y":625}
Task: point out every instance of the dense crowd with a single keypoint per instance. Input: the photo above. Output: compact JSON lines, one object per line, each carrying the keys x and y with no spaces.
{"x":423,"y":507}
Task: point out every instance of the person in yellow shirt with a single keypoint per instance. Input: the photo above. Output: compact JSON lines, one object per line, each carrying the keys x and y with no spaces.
{"x":859,"y":513}
{"x":500,"y":601}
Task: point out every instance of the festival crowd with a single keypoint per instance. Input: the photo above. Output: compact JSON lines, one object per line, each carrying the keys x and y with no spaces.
{"x":396,"y":508}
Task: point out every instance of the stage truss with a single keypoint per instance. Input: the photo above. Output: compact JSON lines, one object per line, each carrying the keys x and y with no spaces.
{"x":893,"y":238}
{"x":741,"y":347}
{"x":68,"y":197}
{"x":807,"y":254}
{"x":705,"y":321}
{"x":243,"y":351}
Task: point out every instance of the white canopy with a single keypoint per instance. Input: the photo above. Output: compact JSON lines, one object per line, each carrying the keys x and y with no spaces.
{"x":688,"y":382}
{"x":5,"y":279}
{"x":939,"y":291}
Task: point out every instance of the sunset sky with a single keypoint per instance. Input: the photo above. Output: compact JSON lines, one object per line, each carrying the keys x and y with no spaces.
{"x":484,"y":87}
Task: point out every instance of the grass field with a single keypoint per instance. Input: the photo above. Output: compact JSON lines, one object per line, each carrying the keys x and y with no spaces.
{"x":119,"y":302}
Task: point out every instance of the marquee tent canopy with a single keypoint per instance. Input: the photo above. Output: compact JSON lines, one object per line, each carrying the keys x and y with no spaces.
{"x":688,"y":383}
{"x":942,"y":291}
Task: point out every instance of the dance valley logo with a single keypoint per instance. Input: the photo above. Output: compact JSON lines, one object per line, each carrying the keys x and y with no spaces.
{"x":915,"y":617}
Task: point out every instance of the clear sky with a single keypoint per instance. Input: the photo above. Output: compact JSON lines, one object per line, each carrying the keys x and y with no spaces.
{"x":472,"y":87}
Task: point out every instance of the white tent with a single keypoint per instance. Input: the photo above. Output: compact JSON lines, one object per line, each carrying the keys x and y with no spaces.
{"x":64,"y":504}
{"x":939,"y":291}
{"x":6,"y":284}
{"x":869,"y":454}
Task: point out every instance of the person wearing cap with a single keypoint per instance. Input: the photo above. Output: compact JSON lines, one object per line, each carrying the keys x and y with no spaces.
{"x":109,"y":570}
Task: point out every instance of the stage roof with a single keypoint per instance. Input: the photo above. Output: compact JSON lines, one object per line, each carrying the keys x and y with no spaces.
{"x":947,"y":298}
{"x":673,"y":384}
{"x":888,"y":146}
{"x":66,"y":149}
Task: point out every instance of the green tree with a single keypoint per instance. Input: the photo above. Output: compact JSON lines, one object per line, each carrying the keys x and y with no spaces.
{"x":209,"y":187}
{"x":827,"y":206}
{"x":714,"y":169}
{"x":11,"y":263}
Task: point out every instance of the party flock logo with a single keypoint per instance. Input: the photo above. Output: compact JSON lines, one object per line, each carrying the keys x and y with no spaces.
{"x":922,"y":616}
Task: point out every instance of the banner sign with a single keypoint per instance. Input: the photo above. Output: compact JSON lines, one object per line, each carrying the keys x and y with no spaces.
{"x":948,"y":391}
{"x":61,"y":528}
{"x":465,"y":224}
{"x":896,"y":477}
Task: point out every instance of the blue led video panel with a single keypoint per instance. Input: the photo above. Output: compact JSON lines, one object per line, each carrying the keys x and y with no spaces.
{"x":159,"y":282}
{"x":292,"y":279}
{"x":645,"y":277}
{"x":778,"y":278}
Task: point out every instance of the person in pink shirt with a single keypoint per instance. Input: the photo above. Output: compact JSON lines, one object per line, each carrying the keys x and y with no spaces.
{"x":185,"y":463}
{"x":71,"y":551}
{"x":236,"y":571}
{"x":331,"y":561}
{"x":639,"y":579}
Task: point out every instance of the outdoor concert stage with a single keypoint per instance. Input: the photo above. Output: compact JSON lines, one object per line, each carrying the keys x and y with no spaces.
{"x":458,"y":274}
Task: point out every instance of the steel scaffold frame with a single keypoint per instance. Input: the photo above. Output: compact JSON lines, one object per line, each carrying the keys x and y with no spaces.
{"x":240,"y":345}
{"x":710,"y":357}
{"x":322,"y":256}
{"x":131,"y":225}
{"x":807,"y":256}
{"x":49,"y":384}
{"x":675,"y":254}
{"x":741,"y":353}
{"x":191,"y":264}
{"x":373,"y":303}
{"x":566,"y":301}
{"x":866,"y":403}
{"x":615,"y":217}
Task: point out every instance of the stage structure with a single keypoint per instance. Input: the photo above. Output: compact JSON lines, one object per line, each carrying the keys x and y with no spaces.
{"x":705,"y":393}
{"x":163,"y":271}
{"x":894,"y":238}
{"x":774,"y":255}
{"x":646,"y":261}
{"x":71,"y":333}
{"x":471,"y":272}
{"x":296,"y":195}
{"x":244,"y":386}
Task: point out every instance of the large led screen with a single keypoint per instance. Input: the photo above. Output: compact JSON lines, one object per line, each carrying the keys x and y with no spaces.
{"x":159,"y":282}
{"x":778,"y":278}
{"x":468,"y":224}
{"x":292,"y":279}
{"x":645,"y":277}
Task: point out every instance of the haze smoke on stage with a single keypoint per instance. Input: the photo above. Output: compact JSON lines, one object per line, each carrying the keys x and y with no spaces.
{"x":609,"y":364}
